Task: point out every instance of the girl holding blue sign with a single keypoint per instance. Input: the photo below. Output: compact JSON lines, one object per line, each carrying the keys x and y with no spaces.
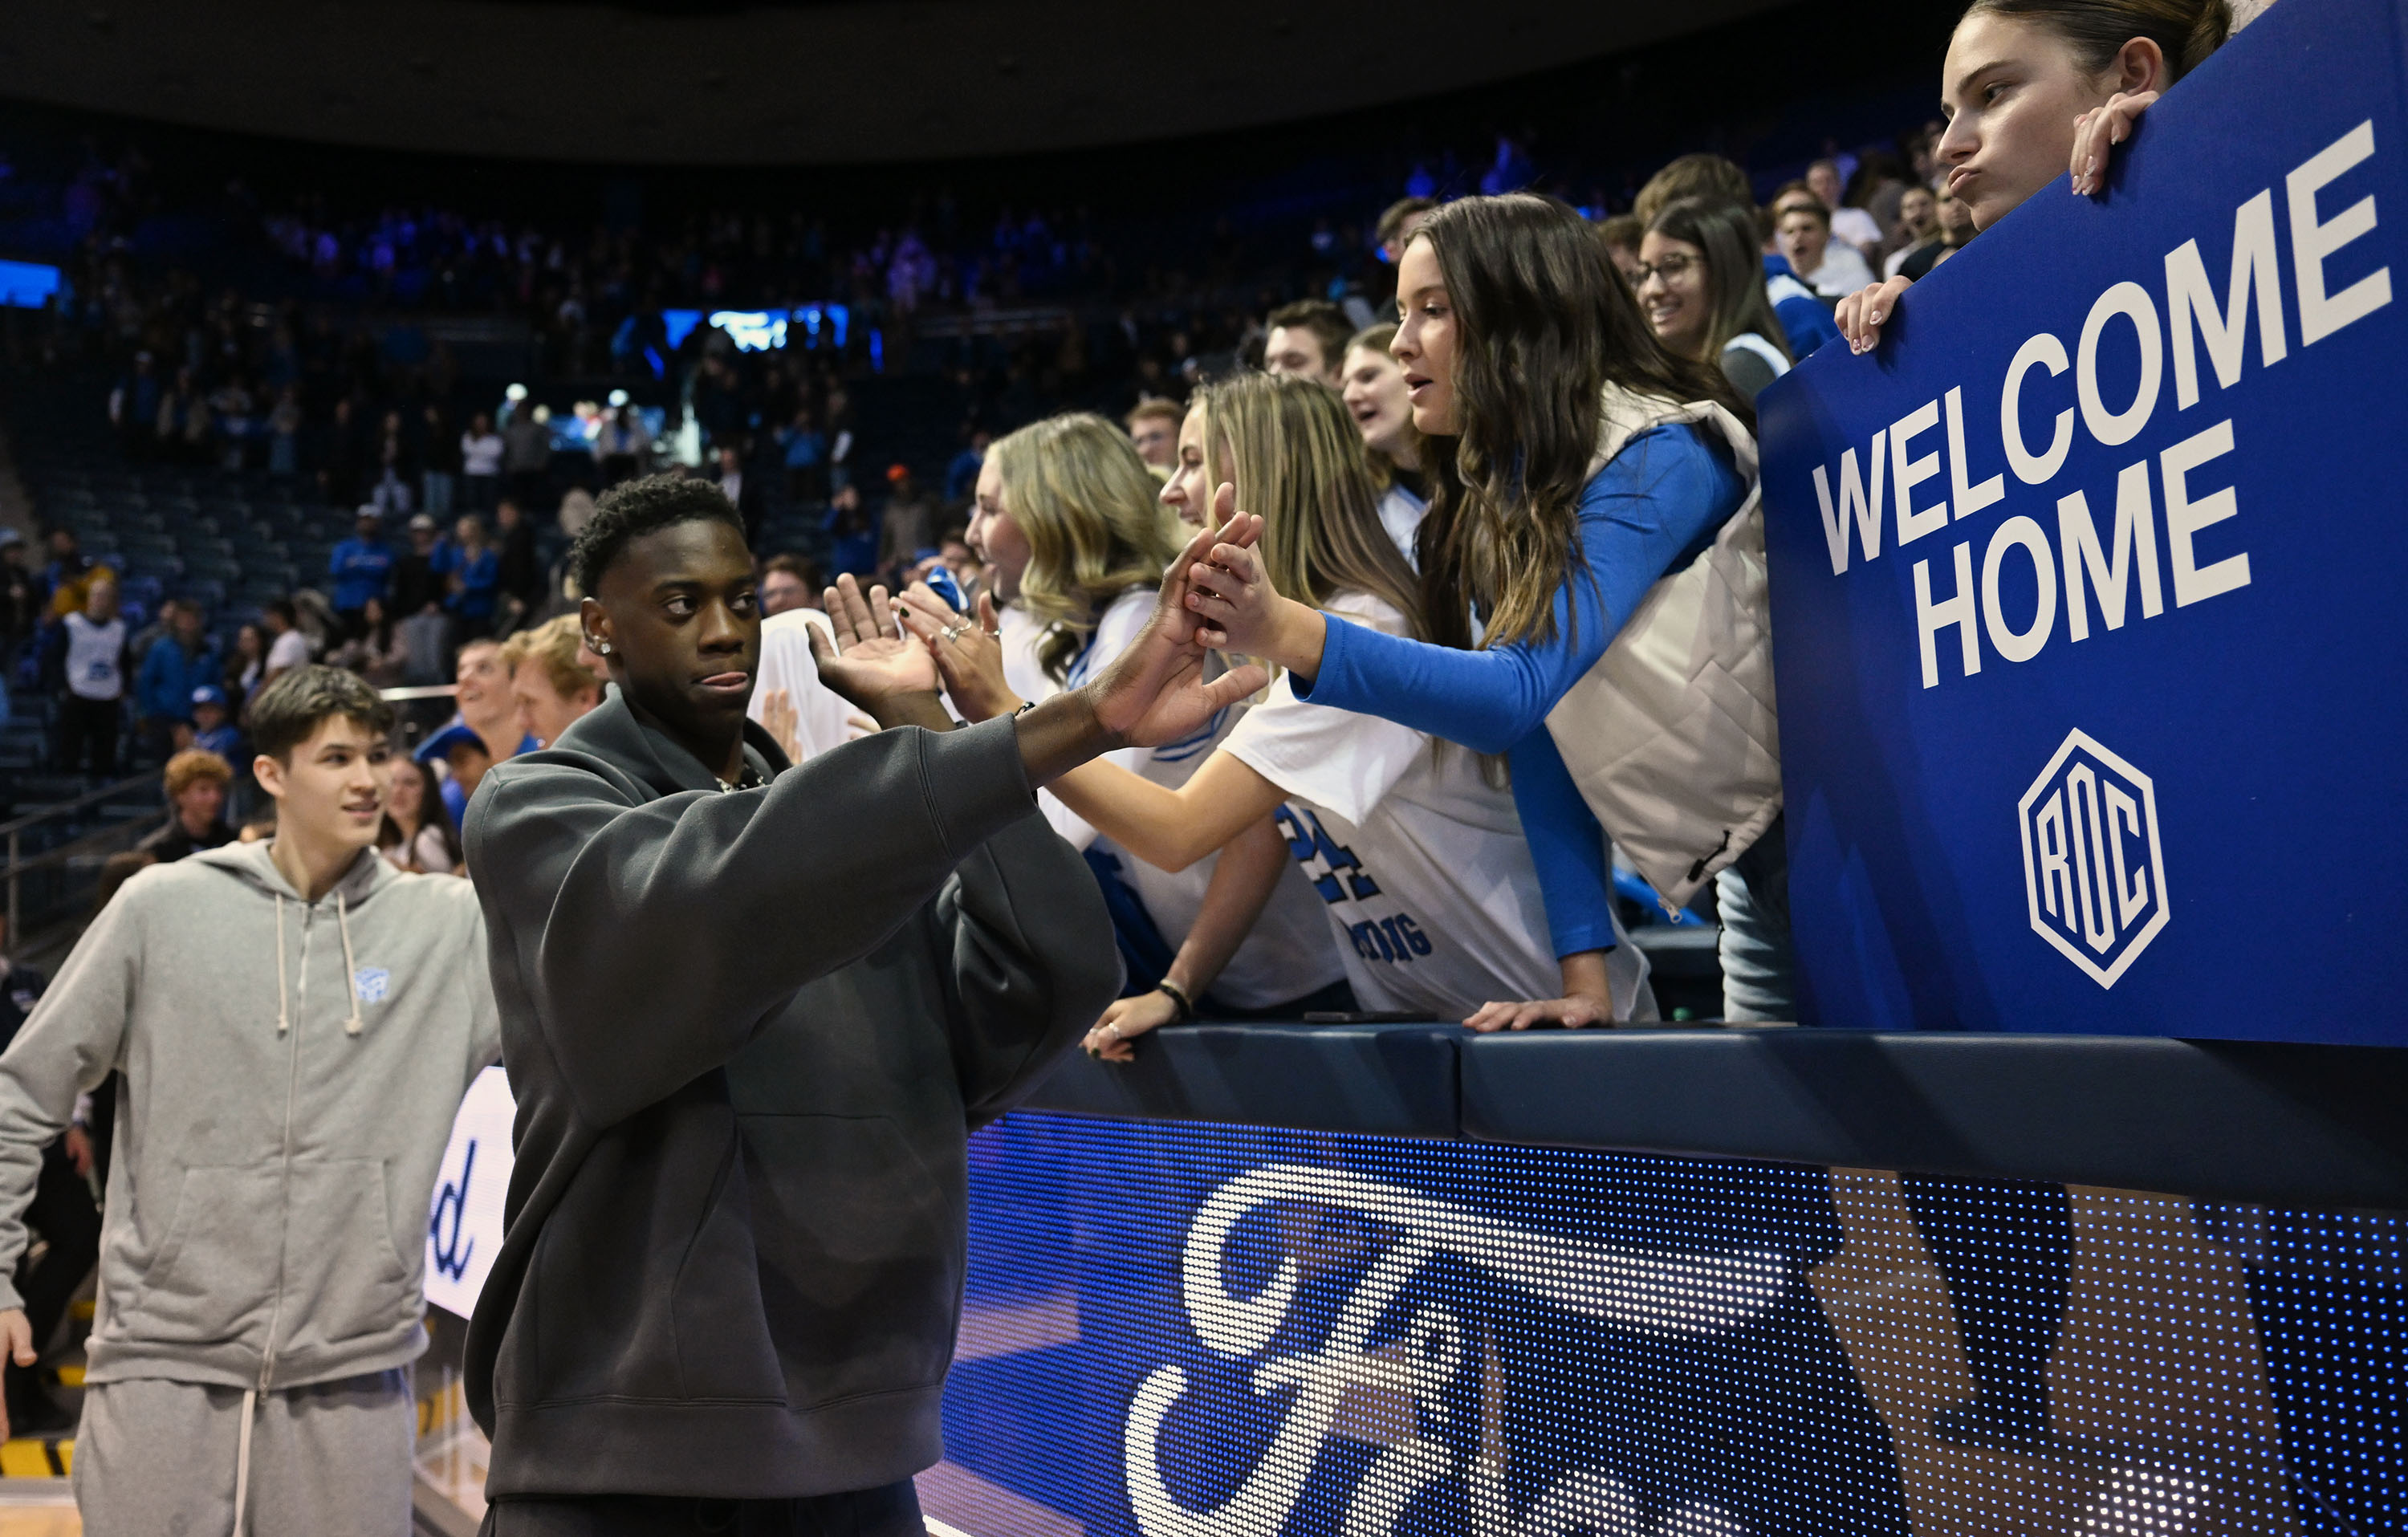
{"x":2031,"y":86}
{"x":1577,"y":465}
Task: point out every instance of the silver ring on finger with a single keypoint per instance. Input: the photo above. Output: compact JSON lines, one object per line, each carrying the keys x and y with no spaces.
{"x":1113,"y":1029}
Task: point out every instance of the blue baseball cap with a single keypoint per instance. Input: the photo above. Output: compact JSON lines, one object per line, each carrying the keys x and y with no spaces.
{"x":452,"y":735}
{"x":208,"y":694}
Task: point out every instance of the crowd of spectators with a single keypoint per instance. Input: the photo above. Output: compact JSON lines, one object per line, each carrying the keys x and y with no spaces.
{"x":451,"y":484}
{"x":462,"y":496}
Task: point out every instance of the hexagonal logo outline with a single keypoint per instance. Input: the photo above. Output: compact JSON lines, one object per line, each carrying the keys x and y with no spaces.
{"x":2140,"y":938}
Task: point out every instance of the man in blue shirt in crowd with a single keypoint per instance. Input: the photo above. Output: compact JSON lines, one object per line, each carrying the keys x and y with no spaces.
{"x":179,"y":662}
{"x":362,"y":566}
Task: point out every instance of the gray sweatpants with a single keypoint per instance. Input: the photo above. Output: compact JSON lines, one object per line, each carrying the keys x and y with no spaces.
{"x":156,"y":1459}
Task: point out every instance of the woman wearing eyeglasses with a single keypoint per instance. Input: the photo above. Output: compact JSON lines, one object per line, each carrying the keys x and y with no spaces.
{"x":1701,"y":287}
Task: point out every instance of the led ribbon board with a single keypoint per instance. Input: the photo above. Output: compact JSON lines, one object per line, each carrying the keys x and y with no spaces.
{"x":2085,"y":587}
{"x":1188,"y":1331}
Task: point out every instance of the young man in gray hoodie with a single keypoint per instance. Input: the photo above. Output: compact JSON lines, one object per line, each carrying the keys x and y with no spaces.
{"x":751,"y":1013}
{"x":296,"y":1023}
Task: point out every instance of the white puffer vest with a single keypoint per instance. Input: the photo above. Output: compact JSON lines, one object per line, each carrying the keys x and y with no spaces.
{"x":1673,"y":738}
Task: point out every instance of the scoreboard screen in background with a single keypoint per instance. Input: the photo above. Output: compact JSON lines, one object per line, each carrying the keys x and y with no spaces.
{"x":27,"y":285}
{"x":1183,"y":1331}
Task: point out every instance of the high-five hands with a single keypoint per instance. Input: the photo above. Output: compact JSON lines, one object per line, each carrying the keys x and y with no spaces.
{"x":1237,"y":609}
{"x":968,"y":651}
{"x":1155,"y":691}
{"x":872,"y":663}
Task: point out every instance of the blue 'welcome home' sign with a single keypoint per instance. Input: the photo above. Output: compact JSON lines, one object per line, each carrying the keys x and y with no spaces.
{"x":2090,"y":589}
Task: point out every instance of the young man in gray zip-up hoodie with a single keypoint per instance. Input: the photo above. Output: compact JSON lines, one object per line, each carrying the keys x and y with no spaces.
{"x":751,"y":1013}
{"x":296,"y":1023}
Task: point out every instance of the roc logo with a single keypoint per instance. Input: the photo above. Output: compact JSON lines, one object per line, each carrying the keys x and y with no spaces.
{"x":2093,"y":873}
{"x":372,"y":982}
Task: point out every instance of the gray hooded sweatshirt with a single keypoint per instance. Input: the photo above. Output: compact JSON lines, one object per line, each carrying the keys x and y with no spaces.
{"x":292,"y":1071}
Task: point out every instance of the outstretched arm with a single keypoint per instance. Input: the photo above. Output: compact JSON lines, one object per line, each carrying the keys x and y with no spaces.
{"x":1155,"y":692}
{"x":1656,"y":502}
{"x":1242,"y":882}
{"x":756,"y":893}
{"x":1171,"y":829}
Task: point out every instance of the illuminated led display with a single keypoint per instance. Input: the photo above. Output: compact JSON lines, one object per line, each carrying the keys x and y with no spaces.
{"x":1177,"y":1330}
{"x":28,"y":285}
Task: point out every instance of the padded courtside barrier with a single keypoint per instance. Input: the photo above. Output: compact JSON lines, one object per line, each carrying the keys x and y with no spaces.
{"x":1381,"y":1080}
{"x":2316,"y":1126}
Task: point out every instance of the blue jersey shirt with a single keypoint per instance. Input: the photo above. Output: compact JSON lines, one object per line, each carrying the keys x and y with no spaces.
{"x":361,"y":569}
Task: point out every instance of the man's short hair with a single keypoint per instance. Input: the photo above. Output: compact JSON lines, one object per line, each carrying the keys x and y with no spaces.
{"x":289,"y":710}
{"x":553,"y":646}
{"x":192,"y":765}
{"x":281,"y":609}
{"x":1155,"y":409}
{"x":1325,"y":321}
{"x":632,"y":509}
{"x":795,"y":566}
{"x":1400,"y":213}
{"x":1693,"y":176}
{"x":1796,"y":195}
{"x":1623,"y":232}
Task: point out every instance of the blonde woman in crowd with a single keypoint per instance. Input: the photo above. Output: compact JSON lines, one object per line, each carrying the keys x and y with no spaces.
{"x":1413,"y":845}
{"x":1067,"y":521}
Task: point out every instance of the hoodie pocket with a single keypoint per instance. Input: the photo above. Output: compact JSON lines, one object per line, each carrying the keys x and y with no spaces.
{"x":213,"y":1280}
{"x":344,"y":1281}
{"x":859,"y":1248}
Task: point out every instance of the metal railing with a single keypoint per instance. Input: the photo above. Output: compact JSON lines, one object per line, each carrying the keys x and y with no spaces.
{"x":88,"y":850}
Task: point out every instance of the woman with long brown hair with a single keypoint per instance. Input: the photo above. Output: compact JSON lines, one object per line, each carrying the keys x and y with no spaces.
{"x":1579,"y":463}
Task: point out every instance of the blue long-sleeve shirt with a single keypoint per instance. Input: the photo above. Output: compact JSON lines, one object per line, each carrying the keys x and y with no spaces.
{"x":1655,"y":507}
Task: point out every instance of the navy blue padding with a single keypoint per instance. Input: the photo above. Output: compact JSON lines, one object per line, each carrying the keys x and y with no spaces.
{"x":2319,"y":1125}
{"x":1378,"y":1080}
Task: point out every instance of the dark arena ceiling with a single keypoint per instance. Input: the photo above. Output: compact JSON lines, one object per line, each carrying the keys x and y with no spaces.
{"x":806,"y":81}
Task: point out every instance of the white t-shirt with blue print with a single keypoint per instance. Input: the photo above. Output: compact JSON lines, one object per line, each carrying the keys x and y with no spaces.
{"x":1289,"y":953}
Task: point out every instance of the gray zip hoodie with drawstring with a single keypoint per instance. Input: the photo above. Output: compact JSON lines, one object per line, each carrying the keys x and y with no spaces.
{"x":292,"y":1071}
